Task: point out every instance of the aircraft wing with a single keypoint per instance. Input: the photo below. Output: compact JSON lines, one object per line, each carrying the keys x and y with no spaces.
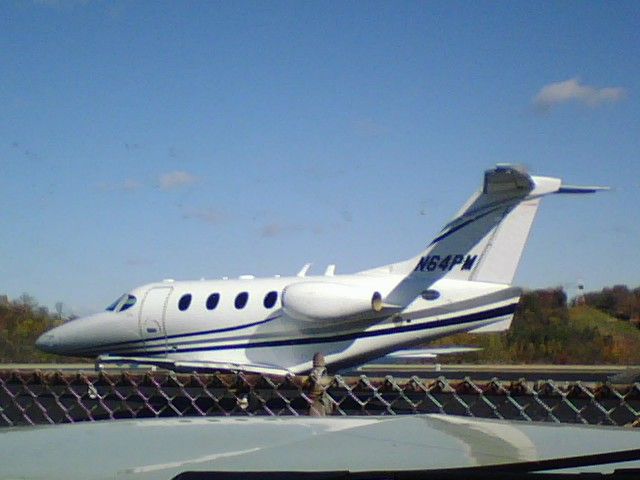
{"x":352,"y":447}
{"x":190,"y":366}
{"x":429,"y":352}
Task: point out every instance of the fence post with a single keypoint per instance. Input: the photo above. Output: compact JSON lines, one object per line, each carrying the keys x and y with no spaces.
{"x":317,"y":383}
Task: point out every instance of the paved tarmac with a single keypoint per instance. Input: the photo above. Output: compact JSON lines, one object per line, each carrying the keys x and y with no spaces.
{"x":533,"y":373}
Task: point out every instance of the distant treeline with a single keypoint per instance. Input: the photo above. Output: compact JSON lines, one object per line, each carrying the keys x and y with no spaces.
{"x":619,"y":302}
{"x":597,"y":327}
{"x":22,"y":321}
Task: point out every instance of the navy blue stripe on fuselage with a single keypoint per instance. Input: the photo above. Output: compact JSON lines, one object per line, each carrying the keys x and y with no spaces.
{"x":462,"y":225}
{"x":469,"y":318}
{"x":185,"y":335}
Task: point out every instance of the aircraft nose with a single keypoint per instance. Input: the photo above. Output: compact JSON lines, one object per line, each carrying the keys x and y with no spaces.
{"x":71,"y":338}
{"x":47,"y":342}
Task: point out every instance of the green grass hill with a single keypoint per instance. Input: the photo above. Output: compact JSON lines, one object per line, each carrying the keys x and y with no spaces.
{"x":546,"y":330}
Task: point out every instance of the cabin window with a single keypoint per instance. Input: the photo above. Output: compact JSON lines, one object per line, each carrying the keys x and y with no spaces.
{"x":241,"y":300}
{"x":184,"y":302}
{"x":212,"y":301}
{"x":270,"y":299}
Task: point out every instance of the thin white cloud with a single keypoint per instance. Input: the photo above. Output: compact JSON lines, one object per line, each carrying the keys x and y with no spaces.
{"x":276,"y":229}
{"x":176,"y":179}
{"x":206,"y":215}
{"x":127,"y":185}
{"x":130,"y":185}
{"x":573,"y":90}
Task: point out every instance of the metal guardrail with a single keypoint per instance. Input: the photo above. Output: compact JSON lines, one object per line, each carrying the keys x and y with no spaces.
{"x":30,"y":398}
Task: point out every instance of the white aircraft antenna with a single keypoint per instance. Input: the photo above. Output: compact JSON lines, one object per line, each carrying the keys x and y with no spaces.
{"x":330,"y":271}
{"x":303,"y":271}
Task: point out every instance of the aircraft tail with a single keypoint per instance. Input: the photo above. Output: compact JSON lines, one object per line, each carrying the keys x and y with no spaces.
{"x":485,"y":240}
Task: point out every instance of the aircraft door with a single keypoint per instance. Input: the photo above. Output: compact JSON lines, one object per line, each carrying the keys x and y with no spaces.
{"x":152,"y":318}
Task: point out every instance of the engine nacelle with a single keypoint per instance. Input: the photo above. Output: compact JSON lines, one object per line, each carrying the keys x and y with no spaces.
{"x":326,"y":301}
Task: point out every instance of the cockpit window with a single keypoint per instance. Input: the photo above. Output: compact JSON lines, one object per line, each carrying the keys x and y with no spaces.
{"x":122,"y":303}
{"x":128,"y":303}
{"x":113,"y":306}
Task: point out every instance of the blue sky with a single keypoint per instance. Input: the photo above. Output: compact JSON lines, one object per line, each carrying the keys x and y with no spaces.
{"x":146,"y":140}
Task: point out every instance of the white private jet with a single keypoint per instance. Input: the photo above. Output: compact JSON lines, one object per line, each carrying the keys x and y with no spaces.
{"x":459,"y":283}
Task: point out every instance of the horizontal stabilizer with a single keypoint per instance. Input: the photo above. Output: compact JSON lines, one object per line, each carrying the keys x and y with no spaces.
{"x":500,"y":326}
{"x":429,"y":352}
{"x":580,"y":189}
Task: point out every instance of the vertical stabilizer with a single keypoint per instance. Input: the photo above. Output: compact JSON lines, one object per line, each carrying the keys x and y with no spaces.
{"x":485,"y":240}
{"x":499,"y":254}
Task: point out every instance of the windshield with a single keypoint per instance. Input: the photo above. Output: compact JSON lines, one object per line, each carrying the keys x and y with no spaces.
{"x":123,"y":302}
{"x":113,"y":306}
{"x":129,"y":302}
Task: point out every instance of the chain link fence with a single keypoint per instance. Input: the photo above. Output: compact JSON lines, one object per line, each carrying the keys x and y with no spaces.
{"x":31,"y":398}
